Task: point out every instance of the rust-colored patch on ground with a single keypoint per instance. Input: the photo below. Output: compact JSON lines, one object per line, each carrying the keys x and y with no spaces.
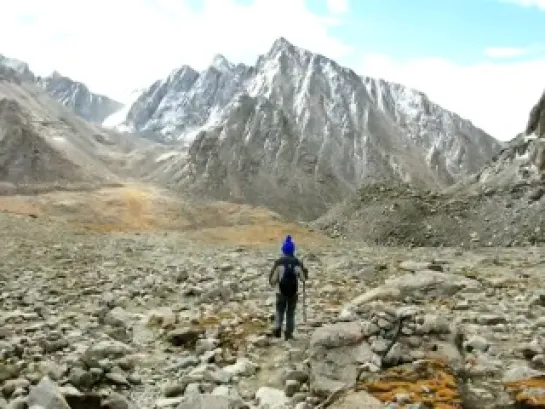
{"x":260,"y":235}
{"x":429,"y":382}
{"x":232,"y":337}
{"x":19,"y":206}
{"x":528,"y":393}
{"x":144,"y":208}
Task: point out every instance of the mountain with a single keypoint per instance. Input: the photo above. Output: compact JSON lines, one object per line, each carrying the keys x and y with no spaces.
{"x":21,"y":68}
{"x":536,"y":122}
{"x":503,"y":204}
{"x":74,"y":95}
{"x":297,"y":132}
{"x":44,"y":145}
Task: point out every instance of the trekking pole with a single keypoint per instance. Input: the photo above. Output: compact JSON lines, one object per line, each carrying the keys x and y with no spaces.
{"x":304,"y":301}
{"x":304,"y":296}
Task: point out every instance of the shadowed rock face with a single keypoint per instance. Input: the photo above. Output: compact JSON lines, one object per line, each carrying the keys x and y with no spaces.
{"x":536,"y":122}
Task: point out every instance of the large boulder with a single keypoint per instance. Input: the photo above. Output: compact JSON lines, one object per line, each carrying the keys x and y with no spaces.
{"x":336,"y":353}
{"x":426,"y":283}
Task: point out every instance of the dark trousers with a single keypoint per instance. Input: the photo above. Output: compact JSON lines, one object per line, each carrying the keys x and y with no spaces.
{"x":285,"y":305}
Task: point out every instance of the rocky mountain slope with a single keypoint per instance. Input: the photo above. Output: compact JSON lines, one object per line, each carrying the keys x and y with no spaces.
{"x":43,"y":144}
{"x":297,"y":132}
{"x":72,"y":94}
{"x":536,"y":122}
{"x":75,"y":95}
{"x":501,"y":205}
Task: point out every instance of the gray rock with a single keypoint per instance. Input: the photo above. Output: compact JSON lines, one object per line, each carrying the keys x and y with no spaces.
{"x":520,"y":372}
{"x":476,"y":343}
{"x":117,"y":378}
{"x":209,"y":402}
{"x":18,"y":403}
{"x":117,"y":401}
{"x":106,"y":349}
{"x":336,"y":351}
{"x":47,"y":395}
{"x":184,"y":337}
{"x":357,"y":400}
{"x":8,"y":371}
{"x":11,"y":385}
{"x":81,"y":378}
{"x":291,"y":387}
{"x":174,"y":390}
{"x":271,"y":398}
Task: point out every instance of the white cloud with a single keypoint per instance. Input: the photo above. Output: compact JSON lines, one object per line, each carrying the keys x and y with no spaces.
{"x":540,"y":4}
{"x":337,"y":6}
{"x":116,"y":46}
{"x":505,"y":52}
{"x":495,"y":96}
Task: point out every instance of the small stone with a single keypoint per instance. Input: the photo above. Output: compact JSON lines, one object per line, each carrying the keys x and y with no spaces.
{"x":116,"y":401}
{"x":168,"y":402}
{"x":274,"y":398}
{"x":8,"y":371}
{"x":476,"y":343}
{"x":174,"y":390}
{"x":491,"y":319}
{"x":184,"y":337}
{"x":134,"y":379}
{"x":205,"y":345}
{"x":18,"y":403}
{"x":192,"y":389}
{"x":12,"y":384}
{"x":80,"y":378}
{"x":291,"y":387}
{"x":116,"y":378}
{"x":46,"y":394}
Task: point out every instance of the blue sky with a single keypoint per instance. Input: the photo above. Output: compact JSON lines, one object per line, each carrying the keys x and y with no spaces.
{"x":483,"y":59}
{"x":458,"y":30}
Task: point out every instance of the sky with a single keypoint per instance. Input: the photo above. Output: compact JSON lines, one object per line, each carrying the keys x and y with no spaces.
{"x":483,"y":59}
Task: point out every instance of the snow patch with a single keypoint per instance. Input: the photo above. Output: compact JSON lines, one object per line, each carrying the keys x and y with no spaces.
{"x":167,"y":155}
{"x":117,"y":119}
{"x":221,"y":63}
{"x":58,"y":139}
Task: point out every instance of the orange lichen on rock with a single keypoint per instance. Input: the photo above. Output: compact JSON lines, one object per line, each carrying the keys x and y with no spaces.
{"x":528,"y":393}
{"x":428,"y":381}
{"x":234,"y":336}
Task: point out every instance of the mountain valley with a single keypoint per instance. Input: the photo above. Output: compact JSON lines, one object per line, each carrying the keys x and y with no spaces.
{"x":137,"y":240}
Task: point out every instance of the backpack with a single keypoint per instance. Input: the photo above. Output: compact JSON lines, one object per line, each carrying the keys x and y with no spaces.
{"x":289,"y":281}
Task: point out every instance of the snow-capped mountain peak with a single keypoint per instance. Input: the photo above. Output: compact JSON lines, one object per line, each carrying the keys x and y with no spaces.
{"x":221,"y":63}
{"x":298,"y":120}
{"x":20,"y":67}
{"x":74,"y":95}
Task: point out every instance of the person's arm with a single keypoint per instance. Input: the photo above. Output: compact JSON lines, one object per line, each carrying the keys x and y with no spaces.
{"x":271,"y":273}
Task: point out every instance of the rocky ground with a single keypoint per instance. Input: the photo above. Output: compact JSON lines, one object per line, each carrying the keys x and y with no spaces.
{"x":141,"y":316}
{"x":402,"y":216}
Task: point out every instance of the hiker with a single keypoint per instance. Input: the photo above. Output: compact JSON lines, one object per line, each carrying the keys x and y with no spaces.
{"x":286,"y":273}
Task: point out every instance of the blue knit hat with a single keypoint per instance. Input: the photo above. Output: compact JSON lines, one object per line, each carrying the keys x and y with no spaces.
{"x":288,"y":247}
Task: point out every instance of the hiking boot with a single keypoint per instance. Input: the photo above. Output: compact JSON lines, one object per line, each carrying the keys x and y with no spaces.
{"x":277,"y":332}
